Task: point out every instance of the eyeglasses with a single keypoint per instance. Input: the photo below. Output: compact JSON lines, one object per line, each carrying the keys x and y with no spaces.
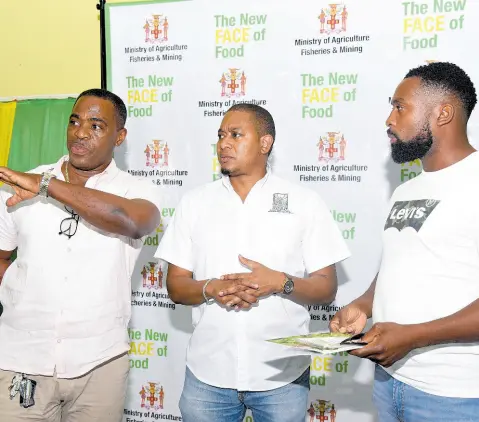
{"x":69,"y":225}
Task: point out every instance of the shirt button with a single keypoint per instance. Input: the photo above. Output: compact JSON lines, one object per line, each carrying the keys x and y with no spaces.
{"x":69,"y":249}
{"x":59,"y":341}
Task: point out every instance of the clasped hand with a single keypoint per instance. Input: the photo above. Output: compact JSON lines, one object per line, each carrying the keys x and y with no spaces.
{"x":242,"y":290}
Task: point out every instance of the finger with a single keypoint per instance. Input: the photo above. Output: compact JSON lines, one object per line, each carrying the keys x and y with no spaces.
{"x":6,"y":175}
{"x":6,"y":180}
{"x":369,"y":350}
{"x":386,"y":363}
{"x":370,"y":335}
{"x":247,"y":282}
{"x":334,"y":325}
{"x":234,"y":302}
{"x":237,"y":303}
{"x":231,"y":290}
{"x":337,"y":325}
{"x":230,"y":301}
{"x":233,"y":276}
{"x":247,"y":297}
{"x":255,"y":293}
{"x":351,"y":329}
{"x":354,"y":352}
{"x":248,"y":263}
{"x":379,"y":359}
{"x":242,"y":305}
{"x":13,"y":200}
{"x":362,"y":352}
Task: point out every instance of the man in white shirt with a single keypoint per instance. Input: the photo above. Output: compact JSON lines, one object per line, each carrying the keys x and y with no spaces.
{"x":424,"y":301}
{"x":247,"y":252}
{"x":78,"y":225}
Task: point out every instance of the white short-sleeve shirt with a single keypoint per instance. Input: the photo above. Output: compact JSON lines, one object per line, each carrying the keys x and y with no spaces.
{"x":281,"y":225}
{"x":67,"y":302}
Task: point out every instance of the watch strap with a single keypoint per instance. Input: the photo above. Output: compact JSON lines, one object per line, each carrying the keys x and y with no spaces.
{"x":287,"y":280}
{"x":44,"y":183}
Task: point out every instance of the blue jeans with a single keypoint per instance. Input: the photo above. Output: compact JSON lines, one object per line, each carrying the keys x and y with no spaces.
{"x":398,"y":402}
{"x":201,"y":402}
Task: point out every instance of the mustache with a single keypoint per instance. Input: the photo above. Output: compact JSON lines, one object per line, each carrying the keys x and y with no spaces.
{"x":391,"y":133}
{"x":79,"y":144}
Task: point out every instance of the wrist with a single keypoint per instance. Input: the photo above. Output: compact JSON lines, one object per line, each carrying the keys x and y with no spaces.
{"x":364,"y":306}
{"x":280,"y":281}
{"x":209,"y":288}
{"x":43,"y":185}
{"x":418,"y":335}
{"x":38,"y":182}
{"x":53,"y":182}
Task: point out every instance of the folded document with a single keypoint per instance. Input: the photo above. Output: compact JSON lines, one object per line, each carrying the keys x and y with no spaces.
{"x":324,"y":343}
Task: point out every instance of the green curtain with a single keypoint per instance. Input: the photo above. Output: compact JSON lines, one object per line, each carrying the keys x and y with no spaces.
{"x":39,"y":133}
{"x":38,"y":136}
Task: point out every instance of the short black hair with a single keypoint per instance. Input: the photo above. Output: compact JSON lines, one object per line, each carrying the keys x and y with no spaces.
{"x":449,"y":78}
{"x":117,"y":102}
{"x":262,"y":118}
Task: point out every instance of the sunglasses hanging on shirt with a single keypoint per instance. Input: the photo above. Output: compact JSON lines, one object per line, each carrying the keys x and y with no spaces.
{"x":69,"y":225}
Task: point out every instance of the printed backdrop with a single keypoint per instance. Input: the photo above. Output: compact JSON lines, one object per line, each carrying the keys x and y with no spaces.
{"x":326,"y":72}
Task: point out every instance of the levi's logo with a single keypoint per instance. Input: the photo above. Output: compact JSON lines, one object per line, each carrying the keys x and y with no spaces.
{"x":410,"y":214}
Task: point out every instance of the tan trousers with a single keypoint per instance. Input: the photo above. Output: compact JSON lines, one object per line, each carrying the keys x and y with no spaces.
{"x":95,"y":397}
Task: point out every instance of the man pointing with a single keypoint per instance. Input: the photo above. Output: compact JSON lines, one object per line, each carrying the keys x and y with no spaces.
{"x":78,"y":225}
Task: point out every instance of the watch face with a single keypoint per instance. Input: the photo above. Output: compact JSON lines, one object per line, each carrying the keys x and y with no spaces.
{"x":288,"y":287}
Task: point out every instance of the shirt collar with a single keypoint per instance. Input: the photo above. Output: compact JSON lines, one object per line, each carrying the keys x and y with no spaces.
{"x":259,"y":184}
{"x":111,"y":171}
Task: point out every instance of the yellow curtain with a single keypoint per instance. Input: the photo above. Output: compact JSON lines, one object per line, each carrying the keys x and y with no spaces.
{"x":7,"y":117}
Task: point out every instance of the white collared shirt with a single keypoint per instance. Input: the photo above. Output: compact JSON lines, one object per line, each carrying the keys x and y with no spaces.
{"x":67,"y":302}
{"x":281,"y":225}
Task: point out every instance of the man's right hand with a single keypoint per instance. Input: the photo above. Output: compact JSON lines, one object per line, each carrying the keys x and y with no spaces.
{"x":232,"y":293}
{"x":351,"y":320}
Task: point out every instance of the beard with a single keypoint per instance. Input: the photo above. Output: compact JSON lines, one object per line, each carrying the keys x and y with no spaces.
{"x":225,"y":172}
{"x":403,"y":151}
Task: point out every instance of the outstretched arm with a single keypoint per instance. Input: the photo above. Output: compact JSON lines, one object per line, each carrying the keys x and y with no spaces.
{"x":133,"y":218}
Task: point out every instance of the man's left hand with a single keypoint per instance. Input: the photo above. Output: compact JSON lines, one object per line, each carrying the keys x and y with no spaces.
{"x":25,"y":185}
{"x":388,"y":342}
{"x":268,"y":280}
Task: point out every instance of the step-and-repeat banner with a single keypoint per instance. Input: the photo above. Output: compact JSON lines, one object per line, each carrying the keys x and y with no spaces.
{"x":326,"y":72}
